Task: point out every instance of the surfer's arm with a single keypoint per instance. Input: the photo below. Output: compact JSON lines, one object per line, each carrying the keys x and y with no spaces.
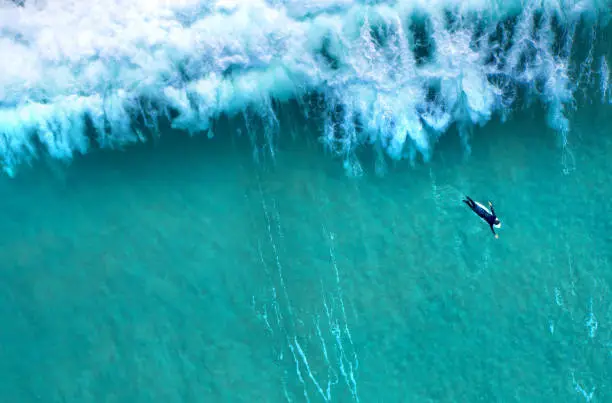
{"x":493,"y":230}
{"x":491,"y":207}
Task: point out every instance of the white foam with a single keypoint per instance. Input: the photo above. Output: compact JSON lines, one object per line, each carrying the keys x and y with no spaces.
{"x":604,"y":79}
{"x":67,"y":59}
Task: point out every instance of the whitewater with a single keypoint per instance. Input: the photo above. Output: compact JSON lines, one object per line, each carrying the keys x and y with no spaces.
{"x":391,"y":75}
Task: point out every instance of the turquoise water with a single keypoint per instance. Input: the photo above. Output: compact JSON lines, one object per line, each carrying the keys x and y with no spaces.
{"x":187,"y":272}
{"x":309,"y":242}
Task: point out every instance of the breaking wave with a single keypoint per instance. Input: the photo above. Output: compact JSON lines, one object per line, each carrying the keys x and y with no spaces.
{"x":391,"y":74}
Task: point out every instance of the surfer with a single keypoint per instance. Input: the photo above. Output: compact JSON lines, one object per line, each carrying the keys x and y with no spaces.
{"x":484,"y":213}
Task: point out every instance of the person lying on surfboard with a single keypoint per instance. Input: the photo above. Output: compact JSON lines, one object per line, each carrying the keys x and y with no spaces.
{"x":484,"y":213}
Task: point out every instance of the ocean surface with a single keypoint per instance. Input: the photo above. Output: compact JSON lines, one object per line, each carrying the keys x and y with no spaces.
{"x":262,"y":201}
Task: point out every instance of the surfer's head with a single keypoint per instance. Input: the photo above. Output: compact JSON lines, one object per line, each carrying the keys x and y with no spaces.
{"x":497,"y":223}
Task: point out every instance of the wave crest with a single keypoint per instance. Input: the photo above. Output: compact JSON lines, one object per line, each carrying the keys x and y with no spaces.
{"x":396,"y":73}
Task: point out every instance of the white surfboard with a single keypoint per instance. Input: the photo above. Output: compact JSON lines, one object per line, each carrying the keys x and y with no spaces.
{"x":489,"y":211}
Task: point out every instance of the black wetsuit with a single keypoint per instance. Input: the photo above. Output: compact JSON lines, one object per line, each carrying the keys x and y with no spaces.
{"x":490,"y":218}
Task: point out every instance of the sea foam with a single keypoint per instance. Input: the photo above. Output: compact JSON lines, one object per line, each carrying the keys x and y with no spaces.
{"x":398,"y":74}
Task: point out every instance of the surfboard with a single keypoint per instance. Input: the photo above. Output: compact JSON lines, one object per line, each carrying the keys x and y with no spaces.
{"x":483,"y":207}
{"x":489,"y":211}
